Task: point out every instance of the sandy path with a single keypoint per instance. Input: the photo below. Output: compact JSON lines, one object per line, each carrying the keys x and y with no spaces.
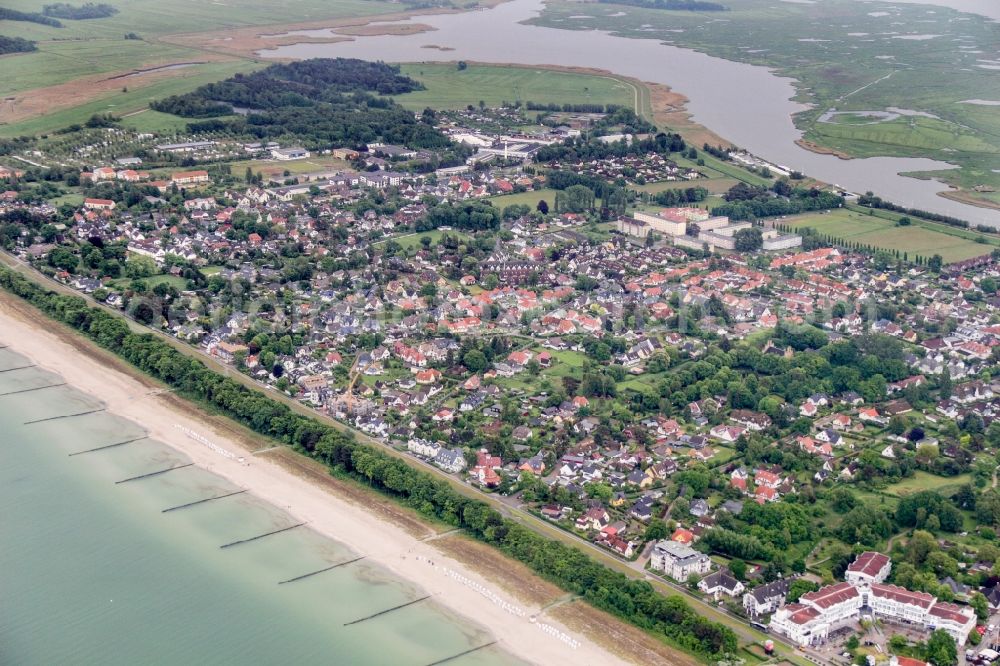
{"x":380,"y":541}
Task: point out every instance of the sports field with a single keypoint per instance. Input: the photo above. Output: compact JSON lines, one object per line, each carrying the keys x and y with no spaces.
{"x":451,"y":88}
{"x":919,"y":238}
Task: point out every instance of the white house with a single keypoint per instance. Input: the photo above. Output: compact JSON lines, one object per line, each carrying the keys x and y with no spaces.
{"x":768,"y":598}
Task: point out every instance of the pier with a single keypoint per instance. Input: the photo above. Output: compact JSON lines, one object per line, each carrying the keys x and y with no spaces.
{"x":313,"y":573}
{"x":202,"y":501}
{"x":107,"y":446}
{"x":65,"y":416}
{"x":260,"y":536}
{"x":461,"y":654}
{"x":387,"y":610}
{"x":149,"y":474}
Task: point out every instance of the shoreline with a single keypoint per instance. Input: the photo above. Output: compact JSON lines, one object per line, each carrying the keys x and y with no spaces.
{"x":380,"y":540}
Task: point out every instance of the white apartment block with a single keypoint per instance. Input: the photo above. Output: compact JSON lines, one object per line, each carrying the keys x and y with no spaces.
{"x":678,"y":560}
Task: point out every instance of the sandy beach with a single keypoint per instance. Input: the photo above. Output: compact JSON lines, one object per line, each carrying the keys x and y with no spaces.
{"x":453,"y":583}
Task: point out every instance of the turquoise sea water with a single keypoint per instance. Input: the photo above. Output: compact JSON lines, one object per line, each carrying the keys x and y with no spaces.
{"x":94,"y":572}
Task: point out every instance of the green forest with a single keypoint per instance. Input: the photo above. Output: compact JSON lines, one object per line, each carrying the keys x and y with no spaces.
{"x":321,"y":102}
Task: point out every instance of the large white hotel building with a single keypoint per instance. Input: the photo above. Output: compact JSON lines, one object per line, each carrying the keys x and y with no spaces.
{"x":817,"y":614}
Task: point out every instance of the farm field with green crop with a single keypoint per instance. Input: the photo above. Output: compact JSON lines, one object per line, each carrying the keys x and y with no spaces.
{"x":919,"y":238}
{"x":451,"y":88}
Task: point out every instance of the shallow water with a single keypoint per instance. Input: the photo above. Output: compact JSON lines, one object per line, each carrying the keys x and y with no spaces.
{"x":761,"y":122}
{"x":94,"y":572}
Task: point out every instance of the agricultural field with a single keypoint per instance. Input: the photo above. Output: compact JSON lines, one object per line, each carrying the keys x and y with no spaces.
{"x":847,"y":58}
{"x":920,"y":238}
{"x":451,"y":88}
{"x":154,"y":18}
{"x":129,"y":99}
{"x":78,"y":64}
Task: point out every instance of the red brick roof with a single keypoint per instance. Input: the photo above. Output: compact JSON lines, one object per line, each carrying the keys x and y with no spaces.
{"x":868,"y":563}
{"x":902,"y":595}
{"x":831,"y":595}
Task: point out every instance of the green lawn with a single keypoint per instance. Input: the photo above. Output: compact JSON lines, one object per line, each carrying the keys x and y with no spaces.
{"x":921,"y":480}
{"x":174,"y":281}
{"x":715,"y":185}
{"x":924,"y":239}
{"x":449,"y":88}
{"x":413,"y":240}
{"x":526,"y":198}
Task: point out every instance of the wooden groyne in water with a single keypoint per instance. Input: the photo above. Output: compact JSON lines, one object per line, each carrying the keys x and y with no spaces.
{"x":20,"y":367}
{"x":107,"y":446}
{"x":461,"y":654}
{"x":65,"y":416}
{"x":387,"y":610}
{"x":29,"y":390}
{"x":202,"y":501}
{"x":261,"y":536}
{"x":313,"y":573}
{"x":149,"y":474}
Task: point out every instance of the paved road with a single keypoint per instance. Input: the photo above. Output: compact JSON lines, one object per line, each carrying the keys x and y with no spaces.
{"x":510,"y":509}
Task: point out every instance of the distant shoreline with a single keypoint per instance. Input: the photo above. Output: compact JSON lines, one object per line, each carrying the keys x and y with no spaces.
{"x":381,"y":541}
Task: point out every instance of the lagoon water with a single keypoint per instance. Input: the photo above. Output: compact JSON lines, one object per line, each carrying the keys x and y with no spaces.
{"x":746,"y":104}
{"x":93,"y":572}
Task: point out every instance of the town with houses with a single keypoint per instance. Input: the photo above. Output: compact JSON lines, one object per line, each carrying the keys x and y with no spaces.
{"x":750,"y":425}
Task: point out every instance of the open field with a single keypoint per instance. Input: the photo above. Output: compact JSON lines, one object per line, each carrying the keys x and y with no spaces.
{"x":82,"y":54}
{"x":920,"y":238}
{"x":71,"y":103}
{"x":164,"y":17}
{"x":450,"y":88}
{"x":713,"y":185}
{"x":413,"y":240}
{"x":914,"y":62}
{"x":526,"y":198}
{"x":923,"y":481}
{"x":276,"y":168}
